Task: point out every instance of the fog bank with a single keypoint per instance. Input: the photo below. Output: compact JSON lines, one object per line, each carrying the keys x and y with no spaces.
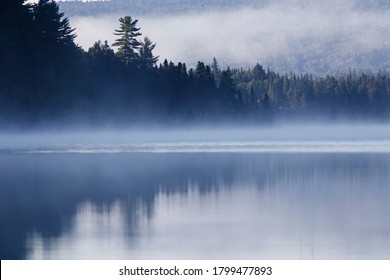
{"x":301,"y":36}
{"x":111,"y":140}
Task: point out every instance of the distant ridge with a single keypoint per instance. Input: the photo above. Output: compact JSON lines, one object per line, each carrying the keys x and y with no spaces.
{"x":304,"y":36}
{"x":141,"y":7}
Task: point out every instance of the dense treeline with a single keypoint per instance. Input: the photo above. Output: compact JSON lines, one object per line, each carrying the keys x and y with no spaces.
{"x":345,"y":96}
{"x":41,"y":67}
{"x":46,"y":77}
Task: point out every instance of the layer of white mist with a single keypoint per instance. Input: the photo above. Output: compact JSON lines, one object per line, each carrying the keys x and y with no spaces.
{"x":346,"y":138}
{"x":302,"y":36}
{"x":223,"y":147}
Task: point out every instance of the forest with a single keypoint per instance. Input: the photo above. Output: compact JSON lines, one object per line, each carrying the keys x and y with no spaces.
{"x":46,"y":78}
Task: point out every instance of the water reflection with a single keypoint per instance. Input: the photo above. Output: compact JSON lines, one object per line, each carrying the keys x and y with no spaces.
{"x":95,"y":234}
{"x":195,"y":206}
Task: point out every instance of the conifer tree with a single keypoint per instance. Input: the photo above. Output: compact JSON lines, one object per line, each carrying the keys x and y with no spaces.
{"x":228,"y":90}
{"x":127,"y":42}
{"x":146,"y":58}
{"x":53,"y":28}
{"x":216,"y":72}
{"x":56,"y":61}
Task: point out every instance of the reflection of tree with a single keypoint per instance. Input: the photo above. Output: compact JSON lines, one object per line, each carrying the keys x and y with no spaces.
{"x":42,"y":193}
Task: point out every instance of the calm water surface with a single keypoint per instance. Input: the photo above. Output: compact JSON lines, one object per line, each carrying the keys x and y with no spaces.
{"x":195,"y":205}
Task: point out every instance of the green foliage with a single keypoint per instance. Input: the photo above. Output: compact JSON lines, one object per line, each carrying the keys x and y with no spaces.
{"x":146,"y":58}
{"x":127,"y":42}
{"x":227,"y":86}
{"x":100,"y":49}
{"x":350,"y":95}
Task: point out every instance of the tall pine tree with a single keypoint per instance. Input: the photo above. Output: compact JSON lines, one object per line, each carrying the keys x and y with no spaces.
{"x":127,"y":42}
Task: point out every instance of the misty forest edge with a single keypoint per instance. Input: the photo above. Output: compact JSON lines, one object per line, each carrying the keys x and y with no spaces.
{"x":46,"y":78}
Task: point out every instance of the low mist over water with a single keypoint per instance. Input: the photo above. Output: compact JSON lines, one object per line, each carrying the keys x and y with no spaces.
{"x":139,"y":136}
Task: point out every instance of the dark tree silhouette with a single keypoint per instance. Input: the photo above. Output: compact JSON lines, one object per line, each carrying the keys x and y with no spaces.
{"x":146,"y":58}
{"x":216,"y":72}
{"x":46,"y":77}
{"x":56,"y":62}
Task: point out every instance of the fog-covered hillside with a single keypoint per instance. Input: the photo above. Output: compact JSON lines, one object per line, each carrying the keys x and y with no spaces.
{"x":302,"y":36}
{"x":141,"y":7}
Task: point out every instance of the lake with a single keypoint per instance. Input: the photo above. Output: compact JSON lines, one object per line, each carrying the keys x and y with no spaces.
{"x":236,"y":200}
